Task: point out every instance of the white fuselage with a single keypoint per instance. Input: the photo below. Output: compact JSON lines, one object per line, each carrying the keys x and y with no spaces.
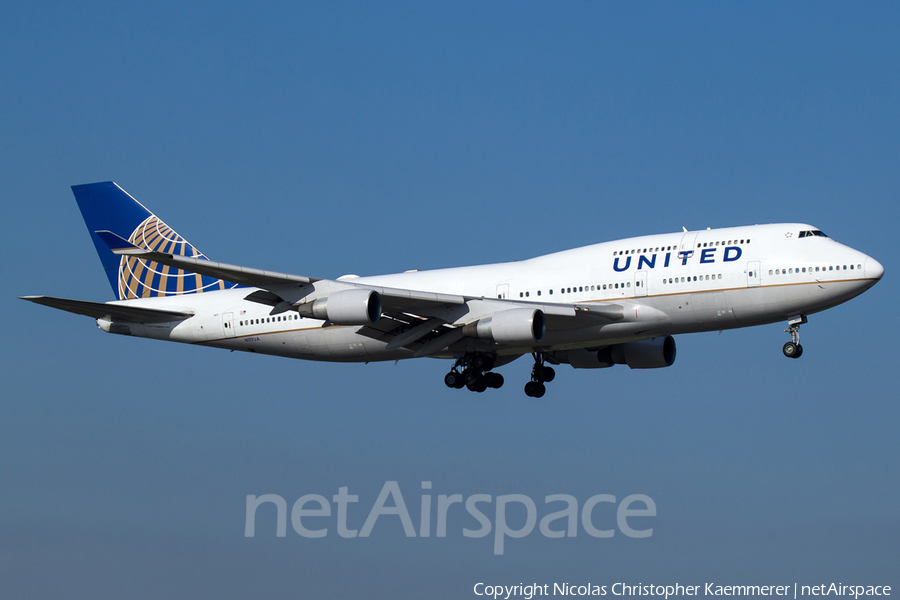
{"x":668,"y":284}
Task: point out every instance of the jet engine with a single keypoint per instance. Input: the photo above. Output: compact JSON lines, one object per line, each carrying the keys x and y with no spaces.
{"x":654,"y":353}
{"x":645,"y":354}
{"x":347,"y":307}
{"x":515,"y":326}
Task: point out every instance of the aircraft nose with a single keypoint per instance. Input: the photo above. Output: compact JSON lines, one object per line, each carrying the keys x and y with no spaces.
{"x":874,"y":270}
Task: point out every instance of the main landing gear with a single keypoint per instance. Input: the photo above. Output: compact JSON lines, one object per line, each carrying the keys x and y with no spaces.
{"x":540,"y":375}
{"x":793,"y":349}
{"x":474,"y":372}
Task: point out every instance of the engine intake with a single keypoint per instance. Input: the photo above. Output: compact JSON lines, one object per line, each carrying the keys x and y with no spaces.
{"x":515,"y":326}
{"x":347,"y":307}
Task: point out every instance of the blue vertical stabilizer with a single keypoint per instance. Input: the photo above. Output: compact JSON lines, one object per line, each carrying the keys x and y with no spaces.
{"x":107,"y":207}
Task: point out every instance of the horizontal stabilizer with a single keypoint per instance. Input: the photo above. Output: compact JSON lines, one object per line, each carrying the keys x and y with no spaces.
{"x":111,"y":312}
{"x":116,"y":243}
{"x":236,"y":274}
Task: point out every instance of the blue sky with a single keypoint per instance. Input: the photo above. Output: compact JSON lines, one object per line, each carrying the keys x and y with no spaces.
{"x":324,"y":140}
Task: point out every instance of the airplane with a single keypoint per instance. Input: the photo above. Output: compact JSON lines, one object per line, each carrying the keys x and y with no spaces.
{"x":618,"y":302}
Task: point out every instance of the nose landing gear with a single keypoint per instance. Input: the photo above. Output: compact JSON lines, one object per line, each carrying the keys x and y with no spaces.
{"x":793,"y":349}
{"x":540,"y":375}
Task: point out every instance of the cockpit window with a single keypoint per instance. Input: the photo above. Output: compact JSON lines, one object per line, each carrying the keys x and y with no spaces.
{"x":814,"y":232}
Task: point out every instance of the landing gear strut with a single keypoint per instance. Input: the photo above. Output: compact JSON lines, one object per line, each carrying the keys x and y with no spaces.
{"x":540,"y":375}
{"x":473,"y":371}
{"x":793,"y":349}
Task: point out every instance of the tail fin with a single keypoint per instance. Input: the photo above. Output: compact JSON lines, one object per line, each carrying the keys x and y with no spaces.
{"x":106,"y":206}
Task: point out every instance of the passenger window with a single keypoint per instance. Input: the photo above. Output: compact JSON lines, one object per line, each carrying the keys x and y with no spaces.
{"x":628,"y":284}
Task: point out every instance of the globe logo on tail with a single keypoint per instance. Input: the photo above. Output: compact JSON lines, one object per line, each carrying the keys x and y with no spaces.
{"x":139,"y":278}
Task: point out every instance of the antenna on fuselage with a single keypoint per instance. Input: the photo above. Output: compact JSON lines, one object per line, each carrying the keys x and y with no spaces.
{"x":685,"y":228}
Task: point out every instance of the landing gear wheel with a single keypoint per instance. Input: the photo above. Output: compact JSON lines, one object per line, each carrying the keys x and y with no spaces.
{"x":792,"y":350}
{"x":469,"y":375}
{"x":483,"y":362}
{"x":454,"y":380}
{"x":535,"y":389}
{"x":544,"y":374}
{"x":477,"y":385}
{"x":493,"y":380}
{"x":540,"y":374}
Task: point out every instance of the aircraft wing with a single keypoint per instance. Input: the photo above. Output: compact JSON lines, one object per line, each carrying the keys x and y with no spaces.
{"x":280,"y":286}
{"x":282,"y":291}
{"x":112,"y":312}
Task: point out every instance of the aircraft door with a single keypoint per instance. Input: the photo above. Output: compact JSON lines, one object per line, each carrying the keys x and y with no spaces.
{"x":640,"y":283}
{"x":228,"y":324}
{"x":753,"y":273}
{"x":503,"y":290}
{"x":688,"y":241}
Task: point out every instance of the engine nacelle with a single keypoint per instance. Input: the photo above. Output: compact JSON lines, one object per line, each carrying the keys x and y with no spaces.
{"x":347,"y":307}
{"x":515,"y":326}
{"x":580,"y":358}
{"x":654,"y":353}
